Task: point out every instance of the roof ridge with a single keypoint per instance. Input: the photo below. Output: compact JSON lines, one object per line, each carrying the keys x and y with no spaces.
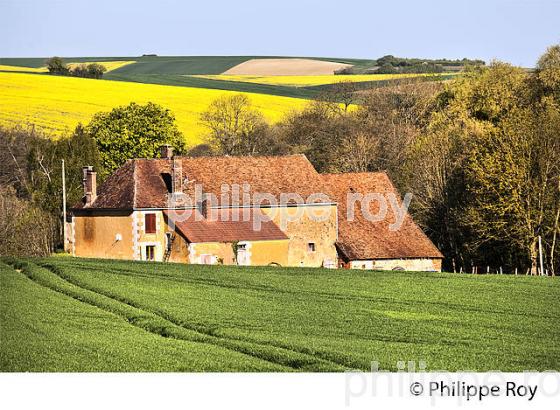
{"x":356,"y":173}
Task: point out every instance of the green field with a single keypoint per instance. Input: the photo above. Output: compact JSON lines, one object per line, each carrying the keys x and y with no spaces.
{"x":180,"y":71}
{"x":184,"y":65}
{"x":69,"y":314}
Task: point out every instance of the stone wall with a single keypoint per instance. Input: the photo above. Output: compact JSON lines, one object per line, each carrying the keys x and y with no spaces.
{"x":102,"y":236}
{"x":306,"y":225}
{"x":409,"y":264}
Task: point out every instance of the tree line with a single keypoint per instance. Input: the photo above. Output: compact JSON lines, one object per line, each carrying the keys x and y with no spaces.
{"x":57,"y":66}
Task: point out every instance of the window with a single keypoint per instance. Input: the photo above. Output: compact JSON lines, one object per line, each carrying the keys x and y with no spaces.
{"x":168,"y":180}
{"x":150,"y":252}
{"x":150,"y":223}
{"x":311,"y":247}
{"x":168,"y":241}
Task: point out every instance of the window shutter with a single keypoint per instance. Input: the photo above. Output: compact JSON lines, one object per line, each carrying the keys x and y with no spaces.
{"x":150,"y":222}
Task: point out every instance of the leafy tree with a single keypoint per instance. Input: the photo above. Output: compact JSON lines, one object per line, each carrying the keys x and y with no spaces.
{"x":486,"y":170}
{"x":56,"y":65}
{"x":235,"y":127}
{"x":548,"y":71}
{"x":96,"y":70}
{"x":92,"y":70}
{"x":81,"y":70}
{"x":25,"y":229}
{"x":133,"y":131}
{"x":33,"y":175}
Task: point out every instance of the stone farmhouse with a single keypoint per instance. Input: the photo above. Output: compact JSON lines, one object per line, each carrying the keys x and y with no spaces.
{"x":243,"y":211}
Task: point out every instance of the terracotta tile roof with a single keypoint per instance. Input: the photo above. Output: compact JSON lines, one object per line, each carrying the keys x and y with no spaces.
{"x":226,"y":225}
{"x":140,"y":183}
{"x":117,"y":192}
{"x":361,"y":239}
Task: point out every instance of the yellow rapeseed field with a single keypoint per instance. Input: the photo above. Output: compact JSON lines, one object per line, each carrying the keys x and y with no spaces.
{"x":307,"y":80}
{"x":26,"y":69}
{"x":57,"y":104}
{"x":109,"y":65}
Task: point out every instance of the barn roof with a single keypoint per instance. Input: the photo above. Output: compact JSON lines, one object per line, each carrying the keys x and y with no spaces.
{"x":226,"y":225}
{"x":361,"y":239}
{"x":140,"y":183}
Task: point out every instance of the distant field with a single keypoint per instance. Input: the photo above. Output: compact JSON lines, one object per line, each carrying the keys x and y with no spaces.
{"x":109,"y":65}
{"x":69,"y":314}
{"x":200,"y":72}
{"x":309,"y":80}
{"x":177,"y":71}
{"x":285,"y":66}
{"x":23,"y":69}
{"x":181,"y":65}
{"x":57,"y":104}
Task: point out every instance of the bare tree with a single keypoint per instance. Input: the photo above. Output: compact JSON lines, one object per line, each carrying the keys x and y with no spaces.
{"x":236,"y":128}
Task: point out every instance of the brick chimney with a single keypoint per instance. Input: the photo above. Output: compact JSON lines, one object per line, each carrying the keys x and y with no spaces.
{"x":177,"y":176}
{"x":166,"y":151}
{"x":89,"y":182}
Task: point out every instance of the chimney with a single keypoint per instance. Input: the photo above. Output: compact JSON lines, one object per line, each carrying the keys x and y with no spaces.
{"x":90,"y":185}
{"x":177,"y":175}
{"x":166,"y":151}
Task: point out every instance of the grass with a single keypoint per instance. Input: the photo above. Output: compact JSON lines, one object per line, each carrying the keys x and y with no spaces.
{"x":44,"y":330}
{"x":57,"y":104}
{"x":284,"y":319}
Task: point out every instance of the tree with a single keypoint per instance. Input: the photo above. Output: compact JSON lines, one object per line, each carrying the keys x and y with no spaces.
{"x":201,"y":150}
{"x":92,"y":70}
{"x":133,"y":131}
{"x":32,"y":173}
{"x":96,"y":70}
{"x":25,"y":229}
{"x":343,"y":92}
{"x":485,"y":171}
{"x":235,"y":127}
{"x":548,"y":71}
{"x":56,"y":65}
{"x":513,"y":176}
{"x":80,"y":70}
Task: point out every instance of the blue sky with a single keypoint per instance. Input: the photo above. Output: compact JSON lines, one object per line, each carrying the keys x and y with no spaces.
{"x":517,"y":31}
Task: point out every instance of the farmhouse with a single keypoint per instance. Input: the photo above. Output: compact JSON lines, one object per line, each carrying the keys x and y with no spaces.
{"x":239,"y":210}
{"x":366,"y":244}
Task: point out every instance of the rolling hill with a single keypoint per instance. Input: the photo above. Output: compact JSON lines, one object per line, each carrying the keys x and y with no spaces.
{"x":205,"y":71}
{"x":57,"y":104}
{"x":186,"y":85}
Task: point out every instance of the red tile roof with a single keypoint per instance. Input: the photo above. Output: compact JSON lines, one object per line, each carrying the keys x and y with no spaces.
{"x":140,"y":183}
{"x":362,"y":239}
{"x":226,"y":225}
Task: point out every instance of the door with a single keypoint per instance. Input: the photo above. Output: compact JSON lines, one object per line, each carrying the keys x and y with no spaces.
{"x":242,"y":255}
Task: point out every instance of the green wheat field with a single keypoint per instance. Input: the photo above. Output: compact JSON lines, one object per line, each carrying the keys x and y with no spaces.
{"x":66,"y":314}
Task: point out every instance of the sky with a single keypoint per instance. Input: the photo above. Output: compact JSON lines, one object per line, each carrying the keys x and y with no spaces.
{"x":516,"y":31}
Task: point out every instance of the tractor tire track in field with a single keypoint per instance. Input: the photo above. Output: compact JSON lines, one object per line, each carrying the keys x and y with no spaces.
{"x":318,"y":355}
{"x":158,"y":324}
